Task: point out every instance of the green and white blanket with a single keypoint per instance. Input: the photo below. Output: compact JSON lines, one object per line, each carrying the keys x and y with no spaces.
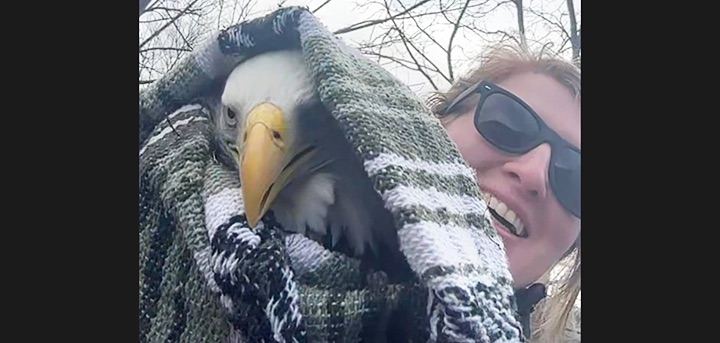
{"x":206,"y":277}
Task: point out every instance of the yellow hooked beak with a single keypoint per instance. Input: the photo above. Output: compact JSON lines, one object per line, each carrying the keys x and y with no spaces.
{"x":263,"y":159}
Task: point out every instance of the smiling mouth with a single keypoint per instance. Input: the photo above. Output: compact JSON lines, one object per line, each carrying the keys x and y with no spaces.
{"x":507,"y":217}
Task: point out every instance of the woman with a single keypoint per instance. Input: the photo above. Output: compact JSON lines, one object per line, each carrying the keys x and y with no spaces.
{"x":516,"y":121}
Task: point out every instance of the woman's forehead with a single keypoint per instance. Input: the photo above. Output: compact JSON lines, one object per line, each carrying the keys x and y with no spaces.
{"x":555,"y":104}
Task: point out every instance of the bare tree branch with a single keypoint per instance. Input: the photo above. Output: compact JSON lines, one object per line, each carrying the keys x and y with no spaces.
{"x":555,"y":23}
{"x":401,"y":61}
{"x":165,"y":9}
{"x":423,"y":30}
{"x":156,"y":33}
{"x":368,"y":23}
{"x":520,"y":20}
{"x":408,"y":43}
{"x":504,"y":34}
{"x":150,"y":68}
{"x":569,"y":35}
{"x":185,"y":40}
{"x":240,"y":10}
{"x":481,"y":13}
{"x":321,"y":6}
{"x":152,"y":20}
{"x":574,"y":32}
{"x":421,"y":37}
{"x":165,"y":48}
{"x":419,"y":66}
{"x":444,"y":11}
{"x":456,"y":26}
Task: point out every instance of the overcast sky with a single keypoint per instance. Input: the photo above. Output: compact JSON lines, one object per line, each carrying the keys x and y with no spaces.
{"x":338,"y":14}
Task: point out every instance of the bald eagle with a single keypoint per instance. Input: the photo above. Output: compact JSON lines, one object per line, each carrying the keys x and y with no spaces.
{"x":293,"y":160}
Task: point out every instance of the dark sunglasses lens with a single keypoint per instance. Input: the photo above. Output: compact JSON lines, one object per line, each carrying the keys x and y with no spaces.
{"x":506,"y":123}
{"x":565,"y":177}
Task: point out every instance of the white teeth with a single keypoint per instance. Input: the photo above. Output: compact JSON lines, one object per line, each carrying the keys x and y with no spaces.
{"x":502,"y":210}
{"x":510,"y":216}
{"x":493,"y":202}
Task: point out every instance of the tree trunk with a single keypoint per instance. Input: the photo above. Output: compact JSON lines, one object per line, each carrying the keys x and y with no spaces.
{"x":521,"y":19}
{"x":574,"y":32}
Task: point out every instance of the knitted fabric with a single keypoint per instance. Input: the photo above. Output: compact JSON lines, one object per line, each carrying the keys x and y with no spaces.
{"x":206,"y":277}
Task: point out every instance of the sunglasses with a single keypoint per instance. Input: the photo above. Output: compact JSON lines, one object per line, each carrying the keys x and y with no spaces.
{"x":512,"y":126}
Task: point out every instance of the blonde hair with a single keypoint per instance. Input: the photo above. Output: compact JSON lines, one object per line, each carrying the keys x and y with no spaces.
{"x":556,"y":316}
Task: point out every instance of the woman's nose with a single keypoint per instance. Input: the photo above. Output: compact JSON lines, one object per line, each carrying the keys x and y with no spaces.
{"x":530,"y":170}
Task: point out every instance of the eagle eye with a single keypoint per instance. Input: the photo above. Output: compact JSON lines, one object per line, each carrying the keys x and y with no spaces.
{"x":231,"y":117}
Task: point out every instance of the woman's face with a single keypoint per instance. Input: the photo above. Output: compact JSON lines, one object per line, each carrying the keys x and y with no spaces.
{"x":521,"y":182}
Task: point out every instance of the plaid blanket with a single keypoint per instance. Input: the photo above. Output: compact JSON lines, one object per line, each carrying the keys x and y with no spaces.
{"x":206,"y":277}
